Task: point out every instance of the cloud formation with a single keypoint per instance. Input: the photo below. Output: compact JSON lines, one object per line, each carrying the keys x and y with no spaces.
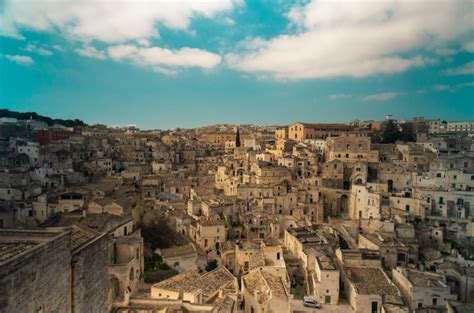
{"x":116,"y":25}
{"x":90,"y":52}
{"x":354,"y":39}
{"x":38,"y":50}
{"x":20,"y":59}
{"x":105,"y":20}
{"x":466,"y":69}
{"x":163,"y":60}
{"x":384,"y":96}
{"x":338,"y":96}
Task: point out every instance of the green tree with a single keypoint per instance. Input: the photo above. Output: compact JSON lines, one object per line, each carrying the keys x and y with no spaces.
{"x":237,"y":138}
{"x":390,"y":132}
{"x":408,"y":133}
{"x":211,"y":265}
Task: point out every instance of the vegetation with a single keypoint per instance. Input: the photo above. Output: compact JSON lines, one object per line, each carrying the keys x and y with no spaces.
{"x":156,"y":269}
{"x":237,"y":138}
{"x":36,"y":116}
{"x":211,"y":265}
{"x":391,"y":132}
{"x":159,"y":235}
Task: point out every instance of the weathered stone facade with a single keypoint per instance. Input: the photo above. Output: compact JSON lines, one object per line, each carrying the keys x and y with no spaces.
{"x":37,"y":279}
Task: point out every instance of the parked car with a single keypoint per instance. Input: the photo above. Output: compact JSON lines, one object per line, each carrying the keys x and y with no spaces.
{"x":311,"y":303}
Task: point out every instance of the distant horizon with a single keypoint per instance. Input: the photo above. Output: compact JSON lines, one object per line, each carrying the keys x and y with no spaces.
{"x":380,"y":119}
{"x":185,"y":64}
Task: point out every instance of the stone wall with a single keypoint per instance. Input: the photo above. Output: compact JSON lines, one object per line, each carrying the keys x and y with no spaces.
{"x":39,"y":279}
{"x":90,"y":277}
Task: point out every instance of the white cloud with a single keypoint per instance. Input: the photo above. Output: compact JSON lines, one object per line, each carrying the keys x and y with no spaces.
{"x":35,"y":49}
{"x":20,"y":59}
{"x":469,"y":46}
{"x":384,"y":96}
{"x":452,"y":88}
{"x":441,"y":87}
{"x":105,"y":20}
{"x":91,"y":52}
{"x":228,"y":21}
{"x":355,"y":39}
{"x":446,"y":52}
{"x":338,"y":96}
{"x":469,"y":84}
{"x":143,"y":42}
{"x":58,"y":48}
{"x":163,"y":60}
{"x":466,"y":69}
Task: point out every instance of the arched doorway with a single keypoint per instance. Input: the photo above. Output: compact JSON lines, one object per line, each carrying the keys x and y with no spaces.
{"x":390,"y":185}
{"x":344,"y":204}
{"x":345,"y":185}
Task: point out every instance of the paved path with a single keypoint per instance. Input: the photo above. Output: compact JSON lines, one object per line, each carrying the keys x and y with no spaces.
{"x":298,"y":307}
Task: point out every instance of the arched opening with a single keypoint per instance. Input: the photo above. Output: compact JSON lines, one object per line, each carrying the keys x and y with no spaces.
{"x":345,"y":185}
{"x":115,"y":288}
{"x":344,"y":204}
{"x":390,"y":185}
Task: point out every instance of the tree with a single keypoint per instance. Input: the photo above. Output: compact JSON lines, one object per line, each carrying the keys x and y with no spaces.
{"x":211,"y":265}
{"x":408,"y":133}
{"x":237,"y":138}
{"x":390,"y":132}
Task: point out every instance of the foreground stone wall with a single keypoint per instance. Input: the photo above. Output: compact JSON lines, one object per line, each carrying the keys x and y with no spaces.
{"x":90,"y":277}
{"x":39,"y":279}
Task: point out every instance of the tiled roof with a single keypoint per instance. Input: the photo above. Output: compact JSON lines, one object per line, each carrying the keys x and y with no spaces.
{"x":10,"y":249}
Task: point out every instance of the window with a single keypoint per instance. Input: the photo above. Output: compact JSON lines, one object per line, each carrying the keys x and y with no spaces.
{"x":435,"y":302}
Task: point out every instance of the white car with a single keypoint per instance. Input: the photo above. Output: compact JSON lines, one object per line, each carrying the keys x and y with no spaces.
{"x":311,"y":303}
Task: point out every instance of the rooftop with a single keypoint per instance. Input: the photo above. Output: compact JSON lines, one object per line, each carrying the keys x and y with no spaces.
{"x":192,"y":281}
{"x":265,"y":284}
{"x":178,"y":251}
{"x":371,"y":281}
{"x":10,"y":249}
{"x":425,"y":279}
{"x":14,"y":243}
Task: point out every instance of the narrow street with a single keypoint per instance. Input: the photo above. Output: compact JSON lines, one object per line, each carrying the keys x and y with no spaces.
{"x":298,"y":307}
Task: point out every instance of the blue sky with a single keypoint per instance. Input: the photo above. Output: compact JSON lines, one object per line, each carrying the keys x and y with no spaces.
{"x":166,"y":64}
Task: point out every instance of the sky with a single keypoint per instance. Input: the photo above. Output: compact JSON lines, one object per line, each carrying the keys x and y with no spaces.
{"x":184,"y":63}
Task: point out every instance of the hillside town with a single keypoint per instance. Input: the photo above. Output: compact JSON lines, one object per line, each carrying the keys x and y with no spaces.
{"x":367,"y":216}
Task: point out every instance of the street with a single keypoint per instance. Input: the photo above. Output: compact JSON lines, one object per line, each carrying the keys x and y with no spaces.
{"x":298,"y":307}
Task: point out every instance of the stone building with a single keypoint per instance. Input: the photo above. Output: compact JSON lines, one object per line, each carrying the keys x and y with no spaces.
{"x":303,"y":131}
{"x":32,"y":264}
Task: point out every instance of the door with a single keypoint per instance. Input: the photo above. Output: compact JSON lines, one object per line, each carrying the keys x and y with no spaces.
{"x":327,"y":299}
{"x":374,"y":307}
